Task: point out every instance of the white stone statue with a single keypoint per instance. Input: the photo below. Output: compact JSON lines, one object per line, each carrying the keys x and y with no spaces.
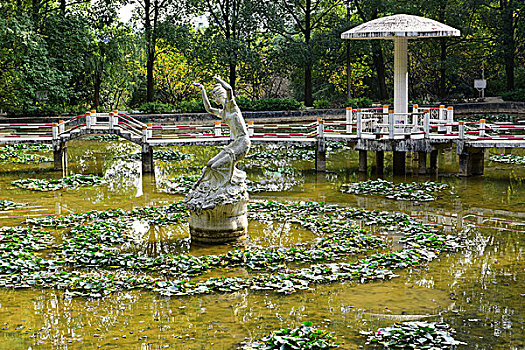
{"x":219,"y":197}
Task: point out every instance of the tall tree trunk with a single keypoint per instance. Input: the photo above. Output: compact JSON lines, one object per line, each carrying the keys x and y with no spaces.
{"x":233,"y":75}
{"x":63,"y":7}
{"x":348,"y":60}
{"x":149,"y":75}
{"x":509,"y":43}
{"x":308,"y":95}
{"x":150,"y":49}
{"x":442,"y":69}
{"x":442,"y":89}
{"x":379,"y":64}
{"x":96,"y":93}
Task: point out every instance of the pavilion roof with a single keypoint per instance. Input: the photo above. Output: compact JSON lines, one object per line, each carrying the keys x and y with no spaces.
{"x":407,"y":26}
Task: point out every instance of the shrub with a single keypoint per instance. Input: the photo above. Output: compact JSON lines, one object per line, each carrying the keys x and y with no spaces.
{"x":193,"y":106}
{"x":359,"y":102}
{"x":514,"y":95}
{"x":156,"y":107}
{"x":319,"y":104}
{"x":244,"y":103}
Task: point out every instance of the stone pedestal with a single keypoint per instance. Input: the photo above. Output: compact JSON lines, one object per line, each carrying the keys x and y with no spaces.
{"x":224,"y":223}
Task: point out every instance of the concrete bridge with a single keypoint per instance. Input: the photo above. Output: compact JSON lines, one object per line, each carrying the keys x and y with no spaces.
{"x":378,"y":130}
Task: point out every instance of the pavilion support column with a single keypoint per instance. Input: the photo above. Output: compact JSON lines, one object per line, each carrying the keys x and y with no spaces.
{"x":472,"y":162}
{"x":147,"y":159}
{"x":422,"y":163}
{"x":380,"y":162}
{"x":399,"y":163}
{"x":434,"y":160}
{"x":320,"y":155}
{"x":362,"y":161}
{"x":401,"y":76}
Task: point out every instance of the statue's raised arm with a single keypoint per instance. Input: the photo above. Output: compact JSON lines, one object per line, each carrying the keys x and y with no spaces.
{"x":206,"y":101}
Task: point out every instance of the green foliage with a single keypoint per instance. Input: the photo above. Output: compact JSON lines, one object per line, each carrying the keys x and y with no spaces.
{"x":276,"y":104}
{"x":156,"y":107}
{"x":320,"y":104}
{"x":515,"y":95}
{"x":359,"y":102}
{"x":192,"y":106}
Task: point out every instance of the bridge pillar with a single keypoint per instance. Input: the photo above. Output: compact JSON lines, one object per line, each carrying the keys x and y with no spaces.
{"x":434,"y":160}
{"x":380,"y":162}
{"x":320,"y":155}
{"x":422,"y":163}
{"x":59,"y":156}
{"x":362,"y":161}
{"x":147,"y":159}
{"x":399,"y":163}
{"x":471,"y":162}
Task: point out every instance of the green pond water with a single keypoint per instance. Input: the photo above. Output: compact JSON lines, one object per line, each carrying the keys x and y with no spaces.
{"x":479,"y":291}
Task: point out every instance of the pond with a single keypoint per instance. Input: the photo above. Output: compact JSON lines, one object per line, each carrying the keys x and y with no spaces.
{"x":477,"y":290}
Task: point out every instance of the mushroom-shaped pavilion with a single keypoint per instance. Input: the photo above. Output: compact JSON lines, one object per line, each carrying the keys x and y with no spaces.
{"x":400,"y":28}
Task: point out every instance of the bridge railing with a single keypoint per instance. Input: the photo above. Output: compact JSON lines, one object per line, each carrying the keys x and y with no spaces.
{"x":221,"y":131}
{"x":26,"y":130}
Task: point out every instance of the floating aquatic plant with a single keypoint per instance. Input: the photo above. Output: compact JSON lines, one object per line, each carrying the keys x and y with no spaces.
{"x":6,"y":204}
{"x":508,"y":159}
{"x":302,"y":337}
{"x":104,"y":137}
{"x":184,"y":183}
{"x":22,"y":157}
{"x":414,"y":335}
{"x":96,"y":240}
{"x":72,"y":181}
{"x":163,"y":155}
{"x":414,"y":191}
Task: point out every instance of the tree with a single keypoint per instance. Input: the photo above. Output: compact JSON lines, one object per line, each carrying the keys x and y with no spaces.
{"x":297,"y":20}
{"x":153,"y":14}
{"x":504,"y":18}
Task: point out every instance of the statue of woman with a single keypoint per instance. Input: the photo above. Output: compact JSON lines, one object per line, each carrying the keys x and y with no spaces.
{"x":220,"y":170}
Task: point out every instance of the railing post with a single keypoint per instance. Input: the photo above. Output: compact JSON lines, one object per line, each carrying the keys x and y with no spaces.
{"x":88,"y":120}
{"x":144,"y":134}
{"x":93,"y":117}
{"x":450,"y":119}
{"x":115,"y":118}
{"x":251,"y":129}
{"x":482,"y":127}
{"x":414,"y":117}
{"x":217,"y":129}
{"x":349,"y":120}
{"x":111,"y":121}
{"x":150,"y":131}
{"x":55,"y":131}
{"x":385,"y":114}
{"x":61,"y":126}
{"x":426,"y":124}
{"x":391,"y":124}
{"x":359,"y":123}
{"x":442,"y":118}
{"x":320,"y":128}
{"x":461,"y":126}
